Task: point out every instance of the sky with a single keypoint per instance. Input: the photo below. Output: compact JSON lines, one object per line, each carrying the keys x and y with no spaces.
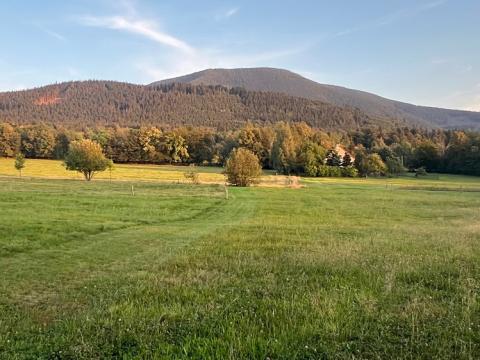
{"x":425,"y":52}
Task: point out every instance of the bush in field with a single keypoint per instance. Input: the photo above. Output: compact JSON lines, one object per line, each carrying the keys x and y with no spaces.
{"x":349,"y":171}
{"x":336,"y":171}
{"x":19,"y":163}
{"x":192,"y":176}
{"x":420,"y":172}
{"x":242,"y":167}
{"x":86,"y":157}
{"x":329,"y":171}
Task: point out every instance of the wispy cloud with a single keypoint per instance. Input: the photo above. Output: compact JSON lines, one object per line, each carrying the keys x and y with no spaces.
{"x":55,"y":35}
{"x":466,"y":99}
{"x":393,"y":17}
{"x":432,"y":5}
{"x":171,"y":66}
{"x":180,"y":57}
{"x":226,"y":14}
{"x":49,"y":32}
{"x":231,"y":12}
{"x":140,"y":27}
{"x":455,"y":65}
{"x":440,"y":61}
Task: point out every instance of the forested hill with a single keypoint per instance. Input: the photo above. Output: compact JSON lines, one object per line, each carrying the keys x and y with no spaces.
{"x":287,"y":82}
{"x":99,"y":103}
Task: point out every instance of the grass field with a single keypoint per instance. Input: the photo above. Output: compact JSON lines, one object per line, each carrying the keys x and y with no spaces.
{"x":338,"y":269}
{"x":141,"y":172}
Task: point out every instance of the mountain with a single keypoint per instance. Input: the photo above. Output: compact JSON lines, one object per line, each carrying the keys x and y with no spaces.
{"x":108,"y":103}
{"x":223,"y":99}
{"x":287,"y":82}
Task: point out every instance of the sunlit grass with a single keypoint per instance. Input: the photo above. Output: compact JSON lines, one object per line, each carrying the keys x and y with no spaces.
{"x":336,"y":269}
{"x":141,"y":172}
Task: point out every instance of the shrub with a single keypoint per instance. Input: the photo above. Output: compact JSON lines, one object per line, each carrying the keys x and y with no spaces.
{"x":349,"y":171}
{"x":420,"y":172}
{"x":192,"y":176}
{"x":323,"y":171}
{"x":242,"y":167}
{"x":329,"y":171}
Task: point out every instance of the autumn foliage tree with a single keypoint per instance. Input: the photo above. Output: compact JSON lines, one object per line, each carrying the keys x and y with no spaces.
{"x":86,"y":157}
{"x":242,"y":167}
{"x":286,"y":147}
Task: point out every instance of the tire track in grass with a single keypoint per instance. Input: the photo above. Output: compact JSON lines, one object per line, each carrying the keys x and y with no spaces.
{"x":42,"y":276}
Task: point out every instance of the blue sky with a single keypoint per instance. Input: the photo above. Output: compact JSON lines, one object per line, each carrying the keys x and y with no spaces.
{"x":424,"y":51}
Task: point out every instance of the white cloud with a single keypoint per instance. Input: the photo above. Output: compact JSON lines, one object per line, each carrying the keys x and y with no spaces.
{"x":153,"y":69}
{"x":222,"y":15}
{"x":455,"y":65}
{"x":54,"y":34}
{"x":180,"y":57}
{"x":393,"y":17}
{"x":49,"y":32}
{"x":432,"y":5}
{"x":231,"y":12}
{"x":140,"y":27}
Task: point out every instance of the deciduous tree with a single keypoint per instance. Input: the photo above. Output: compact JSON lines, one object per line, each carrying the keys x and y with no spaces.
{"x":242,"y":167}
{"x":86,"y":157}
{"x":19,"y":163}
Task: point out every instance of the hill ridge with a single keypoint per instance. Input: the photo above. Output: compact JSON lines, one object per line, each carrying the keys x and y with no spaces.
{"x":293,"y":84}
{"x":108,"y":103}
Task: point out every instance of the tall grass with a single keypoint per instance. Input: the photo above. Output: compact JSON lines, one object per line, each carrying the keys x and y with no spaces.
{"x":333,"y":270}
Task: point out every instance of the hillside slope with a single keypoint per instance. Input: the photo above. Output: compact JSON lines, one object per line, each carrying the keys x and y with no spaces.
{"x":284,"y":81}
{"x":103,"y":103}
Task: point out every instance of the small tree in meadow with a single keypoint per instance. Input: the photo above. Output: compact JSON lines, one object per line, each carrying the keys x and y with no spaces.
{"x":242,"y":167}
{"x":86,"y":157}
{"x":19,"y":163}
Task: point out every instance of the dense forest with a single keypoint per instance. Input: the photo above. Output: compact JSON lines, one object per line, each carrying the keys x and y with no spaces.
{"x":290,"y":148}
{"x":200,"y":124}
{"x":103,"y":103}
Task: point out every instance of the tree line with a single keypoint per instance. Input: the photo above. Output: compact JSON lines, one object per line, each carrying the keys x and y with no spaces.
{"x":108,"y":103}
{"x":288,"y":148}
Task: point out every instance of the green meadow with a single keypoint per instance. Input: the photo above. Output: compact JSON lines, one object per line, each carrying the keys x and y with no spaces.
{"x":342,"y":269}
